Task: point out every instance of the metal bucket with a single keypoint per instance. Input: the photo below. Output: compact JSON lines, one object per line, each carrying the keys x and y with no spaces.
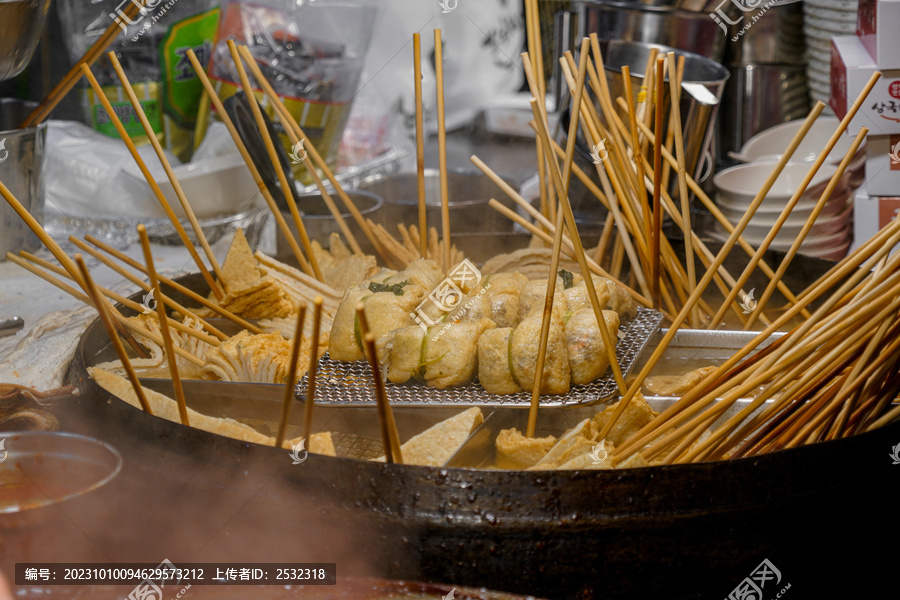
{"x":702,"y":87}
{"x":21,"y":159}
{"x":759,"y":96}
{"x":672,"y":25}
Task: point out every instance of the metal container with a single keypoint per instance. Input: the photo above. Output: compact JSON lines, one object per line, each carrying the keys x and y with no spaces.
{"x":776,"y":37}
{"x":469,"y":194}
{"x":759,"y":96}
{"x":21,"y":159}
{"x":680,"y":531}
{"x":21,"y":23}
{"x":320,"y":223}
{"x":702,"y":87}
{"x":670,"y":25}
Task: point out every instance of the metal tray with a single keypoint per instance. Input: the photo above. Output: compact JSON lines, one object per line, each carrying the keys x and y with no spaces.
{"x":351,"y":383}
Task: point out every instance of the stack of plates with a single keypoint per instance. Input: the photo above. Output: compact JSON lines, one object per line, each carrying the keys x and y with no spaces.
{"x":768,"y":145}
{"x":831,"y":233}
{"x":823,"y":19}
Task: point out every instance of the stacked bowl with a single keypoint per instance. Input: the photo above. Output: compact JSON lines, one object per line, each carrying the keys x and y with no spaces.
{"x":823,"y":19}
{"x":832,"y":231}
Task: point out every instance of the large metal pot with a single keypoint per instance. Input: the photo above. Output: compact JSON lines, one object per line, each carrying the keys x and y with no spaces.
{"x":684,"y":531}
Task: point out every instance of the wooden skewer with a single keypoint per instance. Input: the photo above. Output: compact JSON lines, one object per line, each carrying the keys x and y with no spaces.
{"x":562,"y":191}
{"x":670,"y":132}
{"x":807,"y":226}
{"x":146,"y":288}
{"x":138,"y":308}
{"x":801,"y":189}
{"x":729,"y":227}
{"x":639,"y":167}
{"x":164,"y":327}
{"x":108,"y":324}
{"x":121,"y":321}
{"x":60,"y":256}
{"x":420,"y":142}
{"x":248,"y":160}
{"x":167,"y":167}
{"x":707,"y":277}
{"x":161,"y":198}
{"x":656,"y":229}
{"x":313,"y":368}
{"x":442,"y":148}
{"x":292,"y":129}
{"x":286,"y":187}
{"x":650,"y":83}
{"x":162,"y":278}
{"x":292,"y":380}
{"x":389,"y":436}
{"x":686,"y":228}
{"x":65,"y":85}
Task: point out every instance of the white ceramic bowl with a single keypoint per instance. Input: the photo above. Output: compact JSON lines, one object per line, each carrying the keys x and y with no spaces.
{"x":771,"y":143}
{"x":738,"y":185}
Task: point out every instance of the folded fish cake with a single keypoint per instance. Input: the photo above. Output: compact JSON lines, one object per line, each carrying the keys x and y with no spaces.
{"x":524,"y":351}
{"x":588,"y":359}
{"x":493,"y":362}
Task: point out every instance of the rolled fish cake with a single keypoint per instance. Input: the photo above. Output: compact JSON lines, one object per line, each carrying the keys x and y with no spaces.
{"x":493,"y":362}
{"x":342,"y":344}
{"x":451,"y":356}
{"x":403,"y":353}
{"x":577,"y":296}
{"x":505,"y":293}
{"x":588,"y":359}
{"x":524,"y":351}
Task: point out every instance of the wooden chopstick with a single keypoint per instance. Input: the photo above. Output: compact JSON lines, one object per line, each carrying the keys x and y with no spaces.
{"x":291,"y":379}
{"x":442,"y":149}
{"x":164,"y":328}
{"x":113,"y":336}
{"x":65,"y":85}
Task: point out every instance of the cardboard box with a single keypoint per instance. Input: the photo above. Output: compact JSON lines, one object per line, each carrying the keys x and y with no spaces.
{"x":883,"y":44}
{"x":883,"y":165}
{"x":871,"y":214}
{"x":851,"y":68}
